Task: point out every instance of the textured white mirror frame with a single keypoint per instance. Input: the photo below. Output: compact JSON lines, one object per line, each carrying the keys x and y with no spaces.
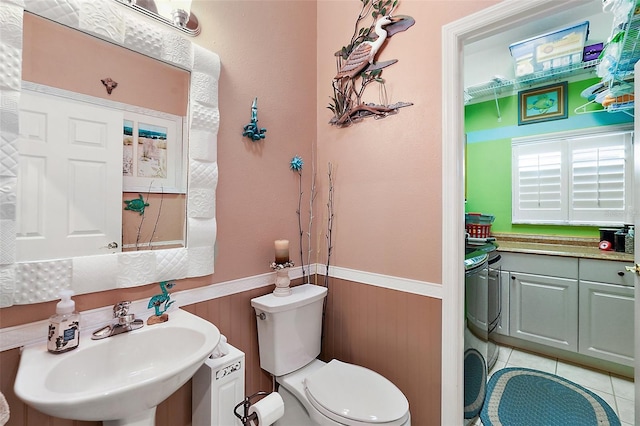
{"x":33,"y":282}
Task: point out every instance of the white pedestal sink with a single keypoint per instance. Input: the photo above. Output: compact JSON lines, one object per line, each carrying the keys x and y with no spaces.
{"x":118,"y":380}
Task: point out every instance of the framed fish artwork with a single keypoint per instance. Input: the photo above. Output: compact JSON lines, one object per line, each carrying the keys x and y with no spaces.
{"x":542,"y":104}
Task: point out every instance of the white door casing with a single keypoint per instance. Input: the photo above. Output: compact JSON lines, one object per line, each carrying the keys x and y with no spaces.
{"x":487,"y":22}
{"x":636,"y":260}
{"x":70,"y":178}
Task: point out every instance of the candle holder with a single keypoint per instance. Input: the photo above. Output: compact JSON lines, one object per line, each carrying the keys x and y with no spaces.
{"x":282,"y":278}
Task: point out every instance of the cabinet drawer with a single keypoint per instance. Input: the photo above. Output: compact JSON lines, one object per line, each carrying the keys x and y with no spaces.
{"x":540,"y":264}
{"x":605,"y":271}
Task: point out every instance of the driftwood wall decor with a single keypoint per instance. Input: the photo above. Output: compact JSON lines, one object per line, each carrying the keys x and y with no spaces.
{"x":357,"y":67}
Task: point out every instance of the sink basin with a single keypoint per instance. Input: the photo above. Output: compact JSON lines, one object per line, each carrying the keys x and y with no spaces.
{"x":121,"y":379}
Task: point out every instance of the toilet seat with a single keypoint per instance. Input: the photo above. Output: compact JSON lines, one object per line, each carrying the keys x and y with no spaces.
{"x":353,"y":395}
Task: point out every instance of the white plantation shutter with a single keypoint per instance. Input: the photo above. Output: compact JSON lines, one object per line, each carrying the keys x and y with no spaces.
{"x":581,"y":180}
{"x":600,"y":178}
{"x":538,"y":183}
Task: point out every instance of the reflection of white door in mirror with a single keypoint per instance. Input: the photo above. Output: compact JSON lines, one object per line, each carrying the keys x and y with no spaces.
{"x":69,"y":166}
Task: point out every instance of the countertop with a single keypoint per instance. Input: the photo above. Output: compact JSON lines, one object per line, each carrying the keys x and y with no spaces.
{"x":557,"y":246}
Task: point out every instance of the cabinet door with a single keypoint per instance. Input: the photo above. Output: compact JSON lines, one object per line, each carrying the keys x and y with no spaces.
{"x":544,"y":310}
{"x":503,"y":323}
{"x":606,"y":321}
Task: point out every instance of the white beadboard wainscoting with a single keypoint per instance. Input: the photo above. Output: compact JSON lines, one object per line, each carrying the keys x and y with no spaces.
{"x":35,"y":332}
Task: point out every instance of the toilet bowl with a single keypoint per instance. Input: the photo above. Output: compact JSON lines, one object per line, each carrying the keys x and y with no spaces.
{"x":338,"y":393}
{"x":315,"y":392}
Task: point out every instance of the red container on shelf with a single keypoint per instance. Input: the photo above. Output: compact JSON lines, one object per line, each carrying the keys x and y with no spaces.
{"x":478,"y":225}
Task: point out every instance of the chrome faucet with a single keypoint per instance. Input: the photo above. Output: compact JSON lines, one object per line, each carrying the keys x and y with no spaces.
{"x":124,"y":322}
{"x":121,"y":313}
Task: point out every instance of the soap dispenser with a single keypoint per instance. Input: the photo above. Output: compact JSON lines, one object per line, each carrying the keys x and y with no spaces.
{"x":64,"y":326}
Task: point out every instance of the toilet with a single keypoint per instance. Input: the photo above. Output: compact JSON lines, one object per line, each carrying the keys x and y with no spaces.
{"x":315,"y":392}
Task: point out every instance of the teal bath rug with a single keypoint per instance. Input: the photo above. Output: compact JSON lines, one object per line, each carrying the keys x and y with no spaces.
{"x":521,"y":396}
{"x":475,"y":382}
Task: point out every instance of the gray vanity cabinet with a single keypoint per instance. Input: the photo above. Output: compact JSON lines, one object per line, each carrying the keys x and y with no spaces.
{"x":543,"y":299}
{"x":582,"y":305}
{"x":606,"y":311}
{"x":544,"y":310}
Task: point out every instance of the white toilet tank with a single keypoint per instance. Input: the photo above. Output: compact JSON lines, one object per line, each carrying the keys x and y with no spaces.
{"x":289,"y":332}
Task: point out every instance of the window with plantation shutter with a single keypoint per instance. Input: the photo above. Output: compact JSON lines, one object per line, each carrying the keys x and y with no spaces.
{"x":538,"y":183}
{"x":573,"y":179}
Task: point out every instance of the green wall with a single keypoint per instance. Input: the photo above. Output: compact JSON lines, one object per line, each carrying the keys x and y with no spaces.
{"x":488,"y":155}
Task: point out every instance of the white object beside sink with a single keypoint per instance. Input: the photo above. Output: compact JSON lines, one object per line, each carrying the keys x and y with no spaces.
{"x":121,"y":379}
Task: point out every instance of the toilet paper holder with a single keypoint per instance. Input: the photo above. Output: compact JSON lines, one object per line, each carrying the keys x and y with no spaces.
{"x":247,"y":418}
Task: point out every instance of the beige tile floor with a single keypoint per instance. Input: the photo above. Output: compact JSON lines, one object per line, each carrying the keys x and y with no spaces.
{"x":617,"y":392}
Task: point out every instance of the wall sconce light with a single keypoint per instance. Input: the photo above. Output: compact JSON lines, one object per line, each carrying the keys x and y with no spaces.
{"x":175,"y":13}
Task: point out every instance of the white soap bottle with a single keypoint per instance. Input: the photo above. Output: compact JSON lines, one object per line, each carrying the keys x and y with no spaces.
{"x":64,"y":326}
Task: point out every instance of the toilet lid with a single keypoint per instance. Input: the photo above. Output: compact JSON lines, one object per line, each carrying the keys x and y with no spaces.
{"x":346,"y":391}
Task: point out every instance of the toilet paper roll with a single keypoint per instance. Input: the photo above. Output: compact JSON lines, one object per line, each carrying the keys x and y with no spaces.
{"x":268,"y":409}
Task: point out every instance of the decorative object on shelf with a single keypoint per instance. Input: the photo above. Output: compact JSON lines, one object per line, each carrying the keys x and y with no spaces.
{"x":330,"y":216}
{"x":161,"y":302}
{"x":174,"y":13}
{"x":282,"y":282}
{"x":110,"y":84}
{"x":281,"y":266}
{"x":136,"y":205}
{"x":282,"y":251}
{"x":542,"y":104}
{"x":295,"y":165}
{"x":275,"y":266}
{"x":252,"y":130}
{"x":357,"y":62}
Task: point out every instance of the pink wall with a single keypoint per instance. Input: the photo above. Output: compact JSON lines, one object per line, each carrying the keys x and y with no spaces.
{"x":387,"y":183}
{"x":59,"y":57}
{"x":267,"y":51}
{"x":163,"y":220}
{"x":388,"y":172}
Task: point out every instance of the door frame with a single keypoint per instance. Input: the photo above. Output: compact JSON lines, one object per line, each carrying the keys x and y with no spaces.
{"x":636,"y":250}
{"x":485,"y":23}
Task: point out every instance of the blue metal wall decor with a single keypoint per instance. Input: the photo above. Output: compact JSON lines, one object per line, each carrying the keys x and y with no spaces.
{"x":252,"y":130}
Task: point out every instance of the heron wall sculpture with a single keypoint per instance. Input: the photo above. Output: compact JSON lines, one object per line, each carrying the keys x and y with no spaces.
{"x":356,"y":63}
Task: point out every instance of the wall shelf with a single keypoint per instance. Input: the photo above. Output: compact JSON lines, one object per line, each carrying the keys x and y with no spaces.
{"x":505,"y":87}
{"x":620,"y":56}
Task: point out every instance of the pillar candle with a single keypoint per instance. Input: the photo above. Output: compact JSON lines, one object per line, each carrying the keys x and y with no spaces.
{"x":282,"y":251}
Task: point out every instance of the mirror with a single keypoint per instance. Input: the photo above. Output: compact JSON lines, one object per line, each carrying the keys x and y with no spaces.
{"x":32,"y":282}
{"x":87,"y":131}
